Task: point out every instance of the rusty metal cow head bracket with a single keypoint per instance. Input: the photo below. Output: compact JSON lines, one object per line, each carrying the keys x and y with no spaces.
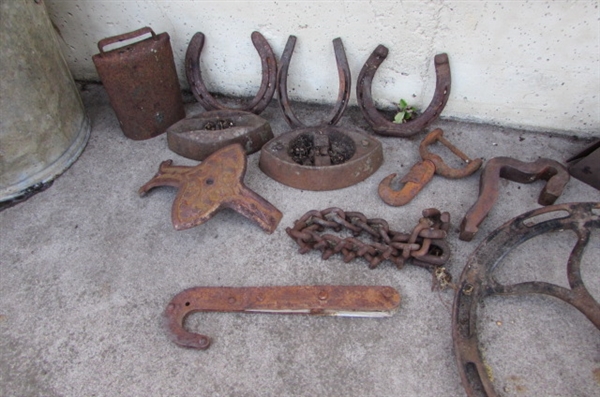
{"x":323,"y":157}
{"x":478,"y":282}
{"x":549,"y":170}
{"x":208,"y":102}
{"x":378,"y":122}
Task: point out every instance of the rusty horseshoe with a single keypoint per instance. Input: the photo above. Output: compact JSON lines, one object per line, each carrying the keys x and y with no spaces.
{"x":328,"y":300}
{"x":512,"y":169}
{"x":378,"y":122}
{"x":344,"y":84}
{"x":208,"y":102}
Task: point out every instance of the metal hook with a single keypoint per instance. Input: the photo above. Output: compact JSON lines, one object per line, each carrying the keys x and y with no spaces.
{"x":379,"y":123}
{"x":442,"y":168}
{"x":328,"y":300}
{"x":208,"y":102}
{"x":418,"y":176}
{"x":344,"y":84}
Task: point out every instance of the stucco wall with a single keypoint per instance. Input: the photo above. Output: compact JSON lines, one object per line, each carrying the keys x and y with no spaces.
{"x":532,"y":64}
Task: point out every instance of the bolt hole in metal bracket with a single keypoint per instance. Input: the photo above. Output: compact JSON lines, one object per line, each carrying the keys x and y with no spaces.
{"x":477,"y":281}
{"x":554,"y":173}
{"x":382,"y":125}
{"x":214,"y":184}
{"x":364,"y":154}
{"x":422,"y":172}
{"x":191,"y":139}
{"x":328,"y":300}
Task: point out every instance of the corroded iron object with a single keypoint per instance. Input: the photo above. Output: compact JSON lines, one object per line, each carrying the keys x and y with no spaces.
{"x":419,"y":175}
{"x":192,"y":137}
{"x":422,"y":172}
{"x":214,"y":184}
{"x":327,"y":300}
{"x":478,"y":282}
{"x":585,"y":165}
{"x":382,"y":125}
{"x":267,"y":87}
{"x":441,"y":168}
{"x":141,"y":82}
{"x":344,"y":84}
{"x":425,"y":245}
{"x":276,"y":160}
{"x":551,"y":171}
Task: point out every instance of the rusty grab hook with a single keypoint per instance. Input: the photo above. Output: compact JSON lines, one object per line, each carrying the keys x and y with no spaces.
{"x":208,"y":102}
{"x":344,"y":84}
{"x":379,"y":123}
{"x":328,"y":300}
{"x":422,"y":172}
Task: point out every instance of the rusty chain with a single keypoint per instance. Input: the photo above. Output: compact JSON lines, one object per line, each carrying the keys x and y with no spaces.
{"x":425,"y":245}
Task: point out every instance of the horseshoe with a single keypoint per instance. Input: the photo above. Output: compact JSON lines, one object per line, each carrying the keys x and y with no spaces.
{"x":344,"y":84}
{"x":385,"y":127}
{"x":208,"y":102}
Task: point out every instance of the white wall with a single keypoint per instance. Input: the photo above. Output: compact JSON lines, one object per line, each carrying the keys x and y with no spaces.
{"x":514,"y":63}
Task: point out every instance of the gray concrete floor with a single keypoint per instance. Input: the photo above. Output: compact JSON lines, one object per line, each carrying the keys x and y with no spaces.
{"x":87,"y":268}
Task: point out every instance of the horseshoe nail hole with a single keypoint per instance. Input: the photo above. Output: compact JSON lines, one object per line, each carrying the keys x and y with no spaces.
{"x":210,"y":181}
{"x":187,"y":303}
{"x":547,"y":216}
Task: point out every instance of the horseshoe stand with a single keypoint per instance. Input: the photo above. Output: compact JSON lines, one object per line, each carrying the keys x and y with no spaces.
{"x":378,"y":122}
{"x":198,"y":137}
{"x":324,"y":157}
{"x":478,"y":282}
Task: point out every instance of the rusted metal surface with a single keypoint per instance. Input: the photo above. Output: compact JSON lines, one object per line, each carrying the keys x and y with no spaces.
{"x":344,"y":84}
{"x":382,"y":125}
{"x":200,"y":136}
{"x":585,"y":165}
{"x":422,"y":172}
{"x":441,"y":168}
{"x":141,"y":82}
{"x":419,"y":175}
{"x":477,"y":282}
{"x":268,"y":83}
{"x":276,"y":159}
{"x":214,"y":184}
{"x":327,"y":300}
{"x":425,"y":245}
{"x":551,"y":171}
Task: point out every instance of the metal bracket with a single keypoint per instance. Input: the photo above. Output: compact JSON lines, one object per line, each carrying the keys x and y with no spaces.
{"x":214,"y":184}
{"x":378,"y":122}
{"x":328,"y":300}
{"x":208,"y":102}
{"x":551,"y":171}
{"x":478,"y":282}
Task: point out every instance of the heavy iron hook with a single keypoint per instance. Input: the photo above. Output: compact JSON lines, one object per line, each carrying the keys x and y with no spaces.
{"x":328,"y":300}
{"x":378,"y":122}
{"x":344,"y":84}
{"x":208,"y":102}
{"x":422,"y":172}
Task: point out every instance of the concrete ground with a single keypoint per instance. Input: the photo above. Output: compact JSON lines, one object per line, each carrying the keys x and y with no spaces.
{"x":88,"y":267}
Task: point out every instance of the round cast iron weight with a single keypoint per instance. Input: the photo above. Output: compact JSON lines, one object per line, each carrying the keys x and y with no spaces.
{"x":477,"y":282}
{"x":378,"y":122}
{"x":208,"y":102}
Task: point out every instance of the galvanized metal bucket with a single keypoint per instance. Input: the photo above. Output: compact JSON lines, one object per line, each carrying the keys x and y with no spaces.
{"x":43,"y":126}
{"x":141,"y":82}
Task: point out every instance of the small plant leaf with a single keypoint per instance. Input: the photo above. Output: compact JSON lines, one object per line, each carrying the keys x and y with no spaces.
{"x":403,"y":104}
{"x":399,"y":119}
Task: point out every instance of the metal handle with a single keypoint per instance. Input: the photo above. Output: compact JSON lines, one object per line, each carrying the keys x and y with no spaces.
{"x":125,"y":36}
